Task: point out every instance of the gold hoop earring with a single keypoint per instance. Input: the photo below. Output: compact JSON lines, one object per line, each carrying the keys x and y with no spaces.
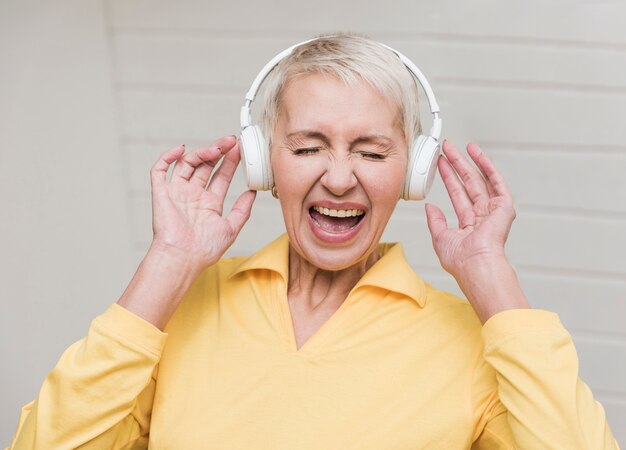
{"x":274,"y":192}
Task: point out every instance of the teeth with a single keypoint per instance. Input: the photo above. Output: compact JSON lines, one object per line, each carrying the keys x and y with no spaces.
{"x":339,"y":212}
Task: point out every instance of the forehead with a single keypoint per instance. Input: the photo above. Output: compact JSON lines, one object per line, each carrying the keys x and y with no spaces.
{"x":325,"y":102}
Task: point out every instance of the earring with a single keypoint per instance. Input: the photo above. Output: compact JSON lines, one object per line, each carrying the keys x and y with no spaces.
{"x":274,"y":191}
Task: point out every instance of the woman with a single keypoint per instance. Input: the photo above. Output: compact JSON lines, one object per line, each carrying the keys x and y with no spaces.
{"x":325,"y":338}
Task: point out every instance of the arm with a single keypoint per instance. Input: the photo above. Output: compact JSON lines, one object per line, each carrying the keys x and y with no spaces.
{"x":540,"y":402}
{"x":534,"y":358}
{"x":100,"y":393}
{"x":536,"y":365}
{"x":190,"y":230}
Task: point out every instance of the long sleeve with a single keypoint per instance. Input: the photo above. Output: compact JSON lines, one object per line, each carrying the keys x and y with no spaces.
{"x":100,"y":393}
{"x":548,"y":406}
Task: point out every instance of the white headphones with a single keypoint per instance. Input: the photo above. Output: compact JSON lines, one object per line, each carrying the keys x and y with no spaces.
{"x":423,"y":155}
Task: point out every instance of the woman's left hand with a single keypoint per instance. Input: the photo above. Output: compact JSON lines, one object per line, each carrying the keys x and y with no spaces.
{"x":474,"y":252}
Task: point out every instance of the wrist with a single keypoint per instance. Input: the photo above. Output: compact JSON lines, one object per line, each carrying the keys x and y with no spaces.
{"x":483,"y":266}
{"x":491,"y":285}
{"x":159,"y":284}
{"x":177,"y":267}
{"x":174,"y":256}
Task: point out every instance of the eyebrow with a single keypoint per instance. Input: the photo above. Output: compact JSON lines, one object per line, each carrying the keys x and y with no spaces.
{"x":322,"y":137}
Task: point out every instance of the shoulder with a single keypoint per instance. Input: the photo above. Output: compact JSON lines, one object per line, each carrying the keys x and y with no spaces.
{"x":213,"y":278}
{"x":449,"y":304}
{"x":454,"y":315}
{"x":220,"y":271}
{"x":202,"y":298}
{"x":462,"y":336}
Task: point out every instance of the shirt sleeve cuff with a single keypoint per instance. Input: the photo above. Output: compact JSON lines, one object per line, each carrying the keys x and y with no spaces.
{"x":130,"y":329}
{"x":513,"y":322}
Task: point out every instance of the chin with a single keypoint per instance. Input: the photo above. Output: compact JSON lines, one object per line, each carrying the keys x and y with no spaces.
{"x":336,"y":257}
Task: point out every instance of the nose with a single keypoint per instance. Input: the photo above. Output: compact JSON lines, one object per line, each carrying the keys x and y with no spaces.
{"x":339,"y":177}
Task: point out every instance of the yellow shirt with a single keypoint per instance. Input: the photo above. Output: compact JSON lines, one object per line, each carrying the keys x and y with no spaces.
{"x":399,"y":365}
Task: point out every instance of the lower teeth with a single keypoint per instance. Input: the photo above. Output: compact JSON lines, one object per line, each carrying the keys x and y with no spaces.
{"x":336,"y":225}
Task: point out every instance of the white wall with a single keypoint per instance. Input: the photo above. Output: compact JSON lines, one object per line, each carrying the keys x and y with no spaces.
{"x":540,"y":85}
{"x":64,"y":241}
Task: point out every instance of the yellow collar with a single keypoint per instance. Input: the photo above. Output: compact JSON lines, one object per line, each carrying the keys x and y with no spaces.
{"x":391,"y":272}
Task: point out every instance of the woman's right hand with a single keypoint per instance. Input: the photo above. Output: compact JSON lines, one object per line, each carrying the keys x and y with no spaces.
{"x":187,"y":209}
{"x":190,"y":231}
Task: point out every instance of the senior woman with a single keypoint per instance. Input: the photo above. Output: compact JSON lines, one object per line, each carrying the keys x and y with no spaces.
{"x":326,"y":338}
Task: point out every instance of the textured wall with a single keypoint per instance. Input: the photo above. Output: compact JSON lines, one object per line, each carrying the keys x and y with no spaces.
{"x":540,"y":85}
{"x":64,"y":240}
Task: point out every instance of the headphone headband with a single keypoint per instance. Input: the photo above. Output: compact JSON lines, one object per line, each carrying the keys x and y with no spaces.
{"x":245,"y":117}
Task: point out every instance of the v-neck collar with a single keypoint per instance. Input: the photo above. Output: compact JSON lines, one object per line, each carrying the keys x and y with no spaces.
{"x":391,"y":272}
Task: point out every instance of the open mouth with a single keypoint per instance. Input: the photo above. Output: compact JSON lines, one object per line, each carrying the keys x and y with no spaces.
{"x":336,"y":221}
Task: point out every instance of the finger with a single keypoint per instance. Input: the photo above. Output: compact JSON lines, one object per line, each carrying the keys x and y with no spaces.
{"x":186,"y":166}
{"x":240,"y":212}
{"x":436,"y":221}
{"x":472,"y":179}
{"x":224,"y":174}
{"x":462,"y":204}
{"x":203,"y":171}
{"x":202,"y":174}
{"x":495,"y":181}
{"x":203,"y":162}
{"x":159,"y":169}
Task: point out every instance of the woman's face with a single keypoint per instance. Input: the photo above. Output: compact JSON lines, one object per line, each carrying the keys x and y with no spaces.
{"x":339,"y":159}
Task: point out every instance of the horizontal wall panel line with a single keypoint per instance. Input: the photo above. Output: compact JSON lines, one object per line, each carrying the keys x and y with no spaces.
{"x":612,"y":277}
{"x":183,"y":88}
{"x":600,"y":338}
{"x":554,"y":147}
{"x":594,"y":216}
{"x":504,"y":40}
{"x":155,"y":141}
{"x":492,"y":84}
{"x":531,"y":149}
{"x":544,"y":272}
{"x":552,"y":273}
{"x":208,"y":34}
{"x":590,"y":214}
{"x":582,"y":89}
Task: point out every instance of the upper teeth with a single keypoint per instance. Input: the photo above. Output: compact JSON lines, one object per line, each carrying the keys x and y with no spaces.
{"x":339,"y":212}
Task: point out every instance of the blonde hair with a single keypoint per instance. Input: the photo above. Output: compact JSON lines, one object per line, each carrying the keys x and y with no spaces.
{"x":353,"y":59}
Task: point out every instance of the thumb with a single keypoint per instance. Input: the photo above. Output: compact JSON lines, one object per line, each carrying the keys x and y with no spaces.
{"x":240,"y":211}
{"x":436,"y":220}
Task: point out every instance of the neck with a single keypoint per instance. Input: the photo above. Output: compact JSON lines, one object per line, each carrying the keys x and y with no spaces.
{"x":315,"y":288}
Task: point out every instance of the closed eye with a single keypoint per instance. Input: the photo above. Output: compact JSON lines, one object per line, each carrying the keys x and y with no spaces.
{"x":305,"y":151}
{"x":377,"y":156}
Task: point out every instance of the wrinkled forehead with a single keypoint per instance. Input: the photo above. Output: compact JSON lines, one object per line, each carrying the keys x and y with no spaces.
{"x":322,"y":101}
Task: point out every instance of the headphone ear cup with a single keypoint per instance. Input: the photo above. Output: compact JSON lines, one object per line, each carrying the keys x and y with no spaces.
{"x":255,"y":159}
{"x":422,"y":168}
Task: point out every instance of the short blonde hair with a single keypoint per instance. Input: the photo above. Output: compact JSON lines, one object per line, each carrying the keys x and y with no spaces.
{"x":352,"y":58}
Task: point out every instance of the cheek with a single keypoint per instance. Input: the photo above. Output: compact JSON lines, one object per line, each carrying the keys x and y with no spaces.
{"x":291,"y":174}
{"x":384,"y":184}
{"x":293,"y":178}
